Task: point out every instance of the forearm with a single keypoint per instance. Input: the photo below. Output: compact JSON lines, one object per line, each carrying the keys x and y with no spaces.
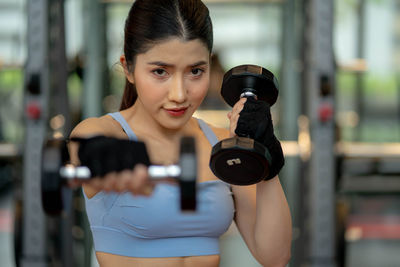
{"x":273,"y":225}
{"x":263,"y":216}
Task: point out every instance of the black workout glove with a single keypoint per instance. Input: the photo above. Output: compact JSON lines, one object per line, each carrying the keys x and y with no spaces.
{"x":103,"y":154}
{"x":255,"y":122}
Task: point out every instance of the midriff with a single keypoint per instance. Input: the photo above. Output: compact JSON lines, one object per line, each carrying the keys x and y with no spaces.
{"x":111,"y":260}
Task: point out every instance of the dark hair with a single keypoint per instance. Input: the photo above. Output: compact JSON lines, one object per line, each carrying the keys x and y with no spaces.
{"x":151,"y":21}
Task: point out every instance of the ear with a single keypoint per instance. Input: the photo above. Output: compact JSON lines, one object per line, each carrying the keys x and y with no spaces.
{"x":128,"y":74}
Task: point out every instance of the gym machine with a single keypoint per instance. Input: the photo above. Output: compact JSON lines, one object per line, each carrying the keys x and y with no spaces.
{"x":318,"y":183}
{"x":319,"y":177}
{"x":45,"y":78}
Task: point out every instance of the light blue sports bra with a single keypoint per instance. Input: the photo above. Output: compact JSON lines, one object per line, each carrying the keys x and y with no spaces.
{"x":138,"y":226}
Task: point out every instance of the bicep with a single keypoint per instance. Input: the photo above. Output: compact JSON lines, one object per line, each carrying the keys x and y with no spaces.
{"x":245,"y":216}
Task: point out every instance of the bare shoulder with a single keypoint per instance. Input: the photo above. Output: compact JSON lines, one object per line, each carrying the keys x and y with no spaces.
{"x":104,"y":125}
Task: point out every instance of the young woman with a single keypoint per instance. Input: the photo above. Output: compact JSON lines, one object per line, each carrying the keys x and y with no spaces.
{"x":136,"y":222}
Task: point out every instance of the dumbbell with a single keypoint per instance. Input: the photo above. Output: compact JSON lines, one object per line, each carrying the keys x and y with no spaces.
{"x":56,"y":172}
{"x":241,"y":160}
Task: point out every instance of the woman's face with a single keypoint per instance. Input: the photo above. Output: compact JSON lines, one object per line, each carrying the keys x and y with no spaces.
{"x":172,"y":79}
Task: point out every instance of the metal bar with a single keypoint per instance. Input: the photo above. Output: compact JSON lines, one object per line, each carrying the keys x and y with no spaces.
{"x":360,"y":52}
{"x":290,"y":94}
{"x":36,"y":84}
{"x":45,"y":78}
{"x":96,"y":72}
{"x":59,"y":229}
{"x":289,"y":89}
{"x":319,"y":74}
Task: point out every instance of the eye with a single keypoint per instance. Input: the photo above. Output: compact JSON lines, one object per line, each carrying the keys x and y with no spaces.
{"x":197,"y":71}
{"x":160,"y":72}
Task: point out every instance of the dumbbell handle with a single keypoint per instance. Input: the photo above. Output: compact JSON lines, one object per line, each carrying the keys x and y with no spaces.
{"x":248,"y":94}
{"x":156,"y":172}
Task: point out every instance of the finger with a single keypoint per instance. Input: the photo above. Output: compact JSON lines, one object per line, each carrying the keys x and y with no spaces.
{"x":168,"y":180}
{"x":240,"y":102}
{"x":147,"y":189}
{"x":139,"y":178}
{"x":123,"y":179}
{"x":239,"y":105}
{"x":146,"y":186}
{"x":96,"y":183}
{"x":232,"y":129}
{"x":233,"y":123}
{"x":110,"y":181}
{"x":235,"y":114}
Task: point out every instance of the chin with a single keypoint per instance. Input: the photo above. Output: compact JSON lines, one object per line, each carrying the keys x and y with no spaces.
{"x":177,"y":123}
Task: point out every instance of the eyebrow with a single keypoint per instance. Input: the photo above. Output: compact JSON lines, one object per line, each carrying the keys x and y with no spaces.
{"x":163,"y":64}
{"x":199,"y":63}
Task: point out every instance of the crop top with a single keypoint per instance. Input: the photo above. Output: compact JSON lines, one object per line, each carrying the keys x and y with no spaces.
{"x":140,"y":226}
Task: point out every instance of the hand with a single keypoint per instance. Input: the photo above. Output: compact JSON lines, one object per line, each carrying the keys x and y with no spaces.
{"x":135,"y":181}
{"x":115,"y":164}
{"x":234,"y":115}
{"x":255,"y":121}
{"x":252,"y":118}
{"x":103,"y":155}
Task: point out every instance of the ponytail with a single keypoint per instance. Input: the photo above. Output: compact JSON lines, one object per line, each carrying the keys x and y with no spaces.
{"x":129,"y":97}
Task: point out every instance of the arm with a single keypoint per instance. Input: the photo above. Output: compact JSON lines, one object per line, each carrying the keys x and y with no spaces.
{"x":134,"y":180}
{"x":262,"y":213}
{"x":264,"y":221}
{"x":85,"y":129}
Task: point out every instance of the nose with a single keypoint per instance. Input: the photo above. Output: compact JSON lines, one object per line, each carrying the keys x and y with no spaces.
{"x":177,"y":93}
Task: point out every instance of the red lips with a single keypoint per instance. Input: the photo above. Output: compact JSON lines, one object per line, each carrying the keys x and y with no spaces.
{"x":176,"y":112}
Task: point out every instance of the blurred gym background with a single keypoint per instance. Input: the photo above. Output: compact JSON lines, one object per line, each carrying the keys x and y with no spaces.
{"x":338,"y":111}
